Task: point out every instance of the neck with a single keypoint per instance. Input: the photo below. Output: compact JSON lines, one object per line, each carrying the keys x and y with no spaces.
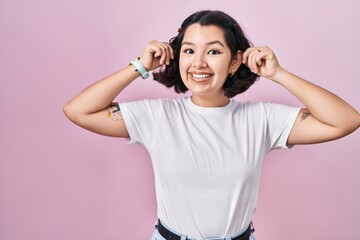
{"x":204,"y":101}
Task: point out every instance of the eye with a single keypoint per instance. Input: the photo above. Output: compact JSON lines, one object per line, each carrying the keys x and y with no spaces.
{"x":188,"y":51}
{"x":213,"y":52}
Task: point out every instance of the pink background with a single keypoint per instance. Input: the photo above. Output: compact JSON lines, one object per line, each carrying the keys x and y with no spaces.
{"x":58,"y":181}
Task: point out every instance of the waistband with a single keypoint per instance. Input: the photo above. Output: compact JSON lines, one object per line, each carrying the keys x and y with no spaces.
{"x":169,"y":235}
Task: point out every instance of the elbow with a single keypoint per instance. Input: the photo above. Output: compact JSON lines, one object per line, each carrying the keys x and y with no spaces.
{"x":75,"y":114}
{"x":356,"y":123}
{"x":67,"y":111}
{"x":70,"y":112}
{"x":351,"y":126}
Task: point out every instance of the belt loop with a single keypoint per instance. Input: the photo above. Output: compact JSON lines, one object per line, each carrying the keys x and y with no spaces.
{"x":183,"y":237}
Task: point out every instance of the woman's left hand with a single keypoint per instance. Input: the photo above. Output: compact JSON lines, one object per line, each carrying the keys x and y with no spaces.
{"x":262,"y":61}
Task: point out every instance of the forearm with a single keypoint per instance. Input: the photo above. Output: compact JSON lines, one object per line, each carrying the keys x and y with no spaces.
{"x":322,"y":104}
{"x":100,"y":95}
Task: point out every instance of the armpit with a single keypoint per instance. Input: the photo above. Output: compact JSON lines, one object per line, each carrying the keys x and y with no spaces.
{"x":304,"y":115}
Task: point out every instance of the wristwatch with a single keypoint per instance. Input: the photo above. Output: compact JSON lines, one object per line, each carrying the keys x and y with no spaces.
{"x":140,"y":68}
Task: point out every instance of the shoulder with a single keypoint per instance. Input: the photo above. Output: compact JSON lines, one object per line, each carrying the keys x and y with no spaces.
{"x":264,"y":110}
{"x":153,"y":104}
{"x":264,"y":106}
{"x":164,"y":103}
{"x":249,"y":107}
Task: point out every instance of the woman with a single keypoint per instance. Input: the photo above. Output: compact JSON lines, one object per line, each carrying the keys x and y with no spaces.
{"x":207,"y":150}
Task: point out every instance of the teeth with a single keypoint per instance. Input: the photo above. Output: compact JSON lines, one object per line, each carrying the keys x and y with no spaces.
{"x":200,"y":75}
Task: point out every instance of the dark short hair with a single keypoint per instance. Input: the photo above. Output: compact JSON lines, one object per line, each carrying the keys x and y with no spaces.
{"x":235,"y":39}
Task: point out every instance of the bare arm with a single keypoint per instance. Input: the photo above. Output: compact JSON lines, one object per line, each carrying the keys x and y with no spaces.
{"x":89,"y":109}
{"x":325,"y":117}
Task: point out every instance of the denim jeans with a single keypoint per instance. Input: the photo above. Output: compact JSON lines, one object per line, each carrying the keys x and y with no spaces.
{"x":156,"y":235}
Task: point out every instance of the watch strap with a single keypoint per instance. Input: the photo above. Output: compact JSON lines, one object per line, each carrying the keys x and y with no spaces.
{"x":140,"y":68}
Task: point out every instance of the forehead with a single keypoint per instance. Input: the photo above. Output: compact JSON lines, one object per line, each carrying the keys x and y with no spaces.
{"x":199,"y":34}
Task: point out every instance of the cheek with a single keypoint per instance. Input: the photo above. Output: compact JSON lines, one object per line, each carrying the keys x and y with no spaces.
{"x":184,"y":65}
{"x":219,"y":66}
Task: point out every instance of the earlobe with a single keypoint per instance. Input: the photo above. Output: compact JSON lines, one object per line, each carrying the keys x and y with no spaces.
{"x":232,"y":73}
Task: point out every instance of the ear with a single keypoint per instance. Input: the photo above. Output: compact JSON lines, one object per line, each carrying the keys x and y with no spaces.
{"x":236,"y":62}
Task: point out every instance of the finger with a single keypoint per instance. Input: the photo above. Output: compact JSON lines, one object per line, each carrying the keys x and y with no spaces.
{"x":252,"y":61}
{"x":164,"y":53}
{"x":266,"y":54}
{"x":153,"y":47}
{"x":259,"y":58}
{"x":161,"y":51}
{"x":163,"y":58}
{"x":255,"y":66}
{"x":172,"y":52}
{"x":248,"y":58}
{"x":246,"y":54}
{"x":168,"y":53}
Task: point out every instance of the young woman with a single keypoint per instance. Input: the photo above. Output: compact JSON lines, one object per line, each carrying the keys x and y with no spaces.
{"x":207,"y":150}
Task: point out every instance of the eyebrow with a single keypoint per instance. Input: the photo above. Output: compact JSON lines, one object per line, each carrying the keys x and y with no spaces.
{"x":209,"y":43}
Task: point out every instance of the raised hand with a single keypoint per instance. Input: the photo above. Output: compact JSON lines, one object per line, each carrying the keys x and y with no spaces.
{"x":262,"y":61}
{"x":156,"y":54}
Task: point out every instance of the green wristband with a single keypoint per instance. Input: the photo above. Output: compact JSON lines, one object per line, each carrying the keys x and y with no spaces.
{"x":140,"y":68}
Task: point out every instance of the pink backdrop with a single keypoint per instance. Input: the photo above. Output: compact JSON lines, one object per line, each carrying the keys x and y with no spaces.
{"x":58,"y":181}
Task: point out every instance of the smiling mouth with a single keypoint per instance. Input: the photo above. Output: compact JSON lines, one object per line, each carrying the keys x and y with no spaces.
{"x":200,"y":77}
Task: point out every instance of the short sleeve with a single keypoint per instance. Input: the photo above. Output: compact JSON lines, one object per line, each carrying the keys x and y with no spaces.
{"x":140,"y":118}
{"x":280,"y":120}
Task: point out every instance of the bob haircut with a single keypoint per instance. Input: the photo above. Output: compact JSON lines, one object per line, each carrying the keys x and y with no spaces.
{"x":235,"y":39}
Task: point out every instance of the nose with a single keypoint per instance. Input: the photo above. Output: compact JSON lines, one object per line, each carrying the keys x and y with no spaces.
{"x":199,"y":61}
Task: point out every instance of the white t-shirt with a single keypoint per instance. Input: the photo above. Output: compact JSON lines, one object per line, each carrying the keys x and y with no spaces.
{"x":207,"y":161}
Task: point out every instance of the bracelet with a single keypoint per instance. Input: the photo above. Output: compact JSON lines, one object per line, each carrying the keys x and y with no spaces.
{"x":140,"y":68}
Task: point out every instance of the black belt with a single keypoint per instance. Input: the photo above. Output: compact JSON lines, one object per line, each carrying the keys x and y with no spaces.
{"x":168,"y":235}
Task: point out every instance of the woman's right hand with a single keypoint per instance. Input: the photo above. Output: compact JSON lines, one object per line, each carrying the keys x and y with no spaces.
{"x":156,"y":54}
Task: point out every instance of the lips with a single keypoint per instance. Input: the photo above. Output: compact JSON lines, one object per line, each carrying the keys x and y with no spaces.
{"x":200,"y":77}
